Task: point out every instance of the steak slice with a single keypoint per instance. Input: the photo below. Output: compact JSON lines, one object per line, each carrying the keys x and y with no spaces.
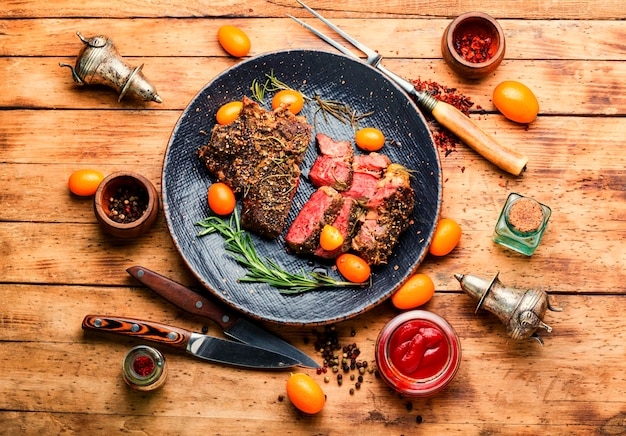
{"x":333,"y":167}
{"x":259,"y":155}
{"x":346,"y":222}
{"x":320,"y":209}
{"x":388,"y":215}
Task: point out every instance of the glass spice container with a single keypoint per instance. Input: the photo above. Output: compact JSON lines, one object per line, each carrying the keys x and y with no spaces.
{"x":418,"y":353}
{"x":144,"y":368}
{"x":522,"y":223}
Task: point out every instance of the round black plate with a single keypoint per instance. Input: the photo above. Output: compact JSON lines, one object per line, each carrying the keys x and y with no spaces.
{"x":331,"y":77}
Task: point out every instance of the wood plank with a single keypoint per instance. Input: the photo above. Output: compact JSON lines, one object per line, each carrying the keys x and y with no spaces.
{"x":115,"y":140}
{"x":44,"y":254}
{"x":530,"y":9}
{"x":562,"y":383}
{"x":584,"y":88}
{"x":413,"y":38}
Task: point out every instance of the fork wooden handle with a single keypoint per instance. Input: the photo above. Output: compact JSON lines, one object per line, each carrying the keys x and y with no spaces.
{"x":484,"y":144}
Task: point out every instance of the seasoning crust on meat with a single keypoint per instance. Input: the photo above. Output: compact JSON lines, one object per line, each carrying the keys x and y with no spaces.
{"x":259,"y":156}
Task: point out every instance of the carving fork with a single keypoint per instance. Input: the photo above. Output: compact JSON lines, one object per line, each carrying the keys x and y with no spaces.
{"x":447,"y":115}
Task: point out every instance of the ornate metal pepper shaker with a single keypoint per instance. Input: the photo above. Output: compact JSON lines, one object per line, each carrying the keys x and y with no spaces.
{"x":521,"y":310}
{"x":99,"y":63}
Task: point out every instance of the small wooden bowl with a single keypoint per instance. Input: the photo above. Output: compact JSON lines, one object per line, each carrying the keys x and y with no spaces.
{"x":477,"y":24}
{"x":108,"y":189}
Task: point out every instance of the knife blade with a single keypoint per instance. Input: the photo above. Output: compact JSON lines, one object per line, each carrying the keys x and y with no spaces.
{"x":197,"y":344}
{"x":232,"y":324}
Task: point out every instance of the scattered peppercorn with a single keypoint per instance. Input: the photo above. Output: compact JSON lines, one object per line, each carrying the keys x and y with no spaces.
{"x":205,"y":329}
{"x":341,"y":359}
{"x":409,"y":406}
{"x":419,"y":419}
{"x":281,"y":397}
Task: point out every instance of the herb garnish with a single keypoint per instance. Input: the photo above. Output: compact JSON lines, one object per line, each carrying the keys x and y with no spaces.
{"x":336,"y":109}
{"x":239,"y":244}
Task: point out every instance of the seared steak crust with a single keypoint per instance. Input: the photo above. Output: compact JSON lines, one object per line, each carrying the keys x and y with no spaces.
{"x":388,"y":215}
{"x":259,"y":156}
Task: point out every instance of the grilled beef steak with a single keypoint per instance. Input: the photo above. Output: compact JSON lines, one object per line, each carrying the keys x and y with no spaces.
{"x":333,"y":167}
{"x":372,"y":213}
{"x":387,"y":216}
{"x":259,"y":156}
{"x":320,"y":209}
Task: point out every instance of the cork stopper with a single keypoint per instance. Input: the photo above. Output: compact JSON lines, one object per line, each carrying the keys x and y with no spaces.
{"x":525,"y":215}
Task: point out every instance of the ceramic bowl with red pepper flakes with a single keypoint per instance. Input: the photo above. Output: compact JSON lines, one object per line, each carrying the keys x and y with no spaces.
{"x":126,"y":204}
{"x":473,"y":45}
{"x":418,"y":353}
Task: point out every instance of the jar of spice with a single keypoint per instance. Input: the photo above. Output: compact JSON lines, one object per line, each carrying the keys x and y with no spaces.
{"x":473,"y":45}
{"x":418,"y":353}
{"x":144,"y":368}
{"x":522,"y":223}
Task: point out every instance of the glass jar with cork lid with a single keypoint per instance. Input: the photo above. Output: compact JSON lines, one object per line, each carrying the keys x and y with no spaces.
{"x":522,"y":223}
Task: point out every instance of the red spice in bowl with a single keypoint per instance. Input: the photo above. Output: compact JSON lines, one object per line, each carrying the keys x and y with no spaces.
{"x":418,"y":353}
{"x":473,"y":45}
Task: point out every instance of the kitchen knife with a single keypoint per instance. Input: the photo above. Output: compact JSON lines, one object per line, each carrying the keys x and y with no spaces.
{"x":233,"y":325}
{"x":199,"y":345}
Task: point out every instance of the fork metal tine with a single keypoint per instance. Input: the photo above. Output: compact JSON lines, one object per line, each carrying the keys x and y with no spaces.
{"x":372,"y":57}
{"x":323,"y":36}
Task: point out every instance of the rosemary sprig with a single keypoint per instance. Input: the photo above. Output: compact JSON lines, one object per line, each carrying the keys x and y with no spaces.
{"x":341,"y":111}
{"x":239,"y":243}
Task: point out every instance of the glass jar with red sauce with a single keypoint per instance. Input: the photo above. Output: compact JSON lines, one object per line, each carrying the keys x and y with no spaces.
{"x":418,"y":353}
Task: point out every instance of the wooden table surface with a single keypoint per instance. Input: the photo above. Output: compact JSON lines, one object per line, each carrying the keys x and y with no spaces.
{"x":57,"y":265}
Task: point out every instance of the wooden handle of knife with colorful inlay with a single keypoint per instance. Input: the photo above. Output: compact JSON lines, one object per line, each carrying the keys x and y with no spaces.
{"x":149,"y":331}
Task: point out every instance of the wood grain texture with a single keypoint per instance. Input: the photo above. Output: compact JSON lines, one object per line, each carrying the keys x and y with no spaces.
{"x":57,"y":265}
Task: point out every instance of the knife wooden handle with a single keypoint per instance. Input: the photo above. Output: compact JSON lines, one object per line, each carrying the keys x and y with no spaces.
{"x":183,"y":297}
{"x":484,"y":144}
{"x":149,"y":331}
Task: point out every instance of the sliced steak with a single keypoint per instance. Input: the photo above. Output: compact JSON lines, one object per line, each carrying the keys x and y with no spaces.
{"x":368,"y":169}
{"x":321,"y":208}
{"x":259,"y":156}
{"x":333,"y":167}
{"x":388,"y":215}
{"x":346,"y":222}
{"x":372,"y":163}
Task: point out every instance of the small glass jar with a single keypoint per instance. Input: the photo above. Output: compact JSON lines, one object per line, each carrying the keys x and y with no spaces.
{"x":418,"y":353}
{"x":144,"y":368}
{"x":522,"y":223}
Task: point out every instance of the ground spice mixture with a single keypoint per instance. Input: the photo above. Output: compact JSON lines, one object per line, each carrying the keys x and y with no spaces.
{"x":444,"y":139}
{"x":525,"y":215}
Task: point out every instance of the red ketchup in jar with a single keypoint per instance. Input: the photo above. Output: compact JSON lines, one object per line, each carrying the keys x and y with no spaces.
{"x":418,"y":353}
